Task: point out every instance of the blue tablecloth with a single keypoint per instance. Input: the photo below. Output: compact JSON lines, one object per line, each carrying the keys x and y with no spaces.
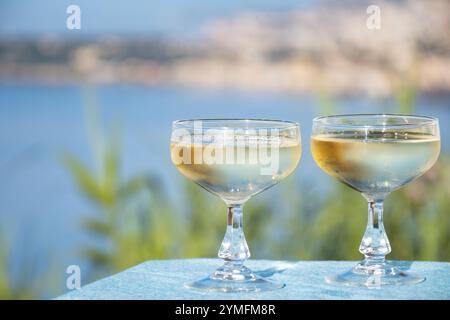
{"x":304,"y":280}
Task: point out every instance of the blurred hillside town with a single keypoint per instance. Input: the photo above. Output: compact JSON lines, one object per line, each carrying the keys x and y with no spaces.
{"x":317,"y":48}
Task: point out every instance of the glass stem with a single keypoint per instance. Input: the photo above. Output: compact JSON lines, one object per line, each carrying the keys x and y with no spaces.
{"x":375,"y":243}
{"x":234,"y":249}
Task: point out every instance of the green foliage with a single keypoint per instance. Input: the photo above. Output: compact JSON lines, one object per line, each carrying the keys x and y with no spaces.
{"x":417,"y":218}
{"x":5,"y":289}
{"x":325,"y":103}
{"x":327,"y":227}
{"x":405,"y":89}
{"x":405,"y":98}
{"x":27,"y":284}
{"x":135,"y":221}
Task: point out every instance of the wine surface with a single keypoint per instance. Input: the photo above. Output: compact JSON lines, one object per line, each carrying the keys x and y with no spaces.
{"x":375,"y":163}
{"x":237,"y":172}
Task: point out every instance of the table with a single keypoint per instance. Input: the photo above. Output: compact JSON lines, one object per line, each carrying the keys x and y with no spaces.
{"x":164,"y":279}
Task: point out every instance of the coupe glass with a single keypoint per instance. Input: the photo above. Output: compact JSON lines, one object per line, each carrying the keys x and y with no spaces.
{"x":375,"y":154}
{"x":235,"y":159}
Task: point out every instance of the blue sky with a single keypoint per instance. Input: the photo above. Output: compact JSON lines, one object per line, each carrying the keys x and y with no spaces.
{"x":125,"y":17}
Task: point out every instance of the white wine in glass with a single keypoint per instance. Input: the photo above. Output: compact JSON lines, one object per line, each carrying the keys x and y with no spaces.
{"x":375,"y":155}
{"x":240,"y":179}
{"x":235,"y":159}
{"x":375,"y":163}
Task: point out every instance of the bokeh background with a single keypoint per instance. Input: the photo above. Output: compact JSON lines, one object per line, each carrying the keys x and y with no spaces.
{"x":85,"y":121}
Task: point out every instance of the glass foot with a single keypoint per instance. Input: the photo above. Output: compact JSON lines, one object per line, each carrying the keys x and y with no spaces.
{"x":375,"y":276}
{"x":232,"y":278}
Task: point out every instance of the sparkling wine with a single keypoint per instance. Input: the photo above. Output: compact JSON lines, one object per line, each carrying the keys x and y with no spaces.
{"x":238,"y":171}
{"x":377,"y":163}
